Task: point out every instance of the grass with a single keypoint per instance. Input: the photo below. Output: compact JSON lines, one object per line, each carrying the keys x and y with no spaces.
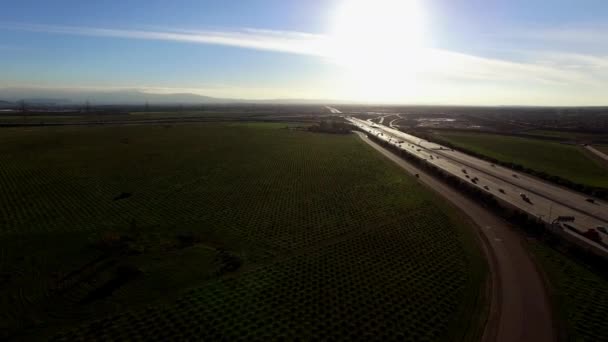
{"x":84,"y":117}
{"x":580,"y":294}
{"x":288,"y":233}
{"x":566,"y":161}
{"x":602,"y":148}
{"x":578,"y":136}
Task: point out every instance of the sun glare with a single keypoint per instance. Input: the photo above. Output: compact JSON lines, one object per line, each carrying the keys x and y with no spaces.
{"x":379,"y":43}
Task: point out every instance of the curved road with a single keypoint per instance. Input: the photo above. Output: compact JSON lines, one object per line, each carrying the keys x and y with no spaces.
{"x":520,"y":309}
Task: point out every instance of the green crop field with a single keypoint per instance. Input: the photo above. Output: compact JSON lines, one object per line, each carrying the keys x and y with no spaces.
{"x":211,"y":231}
{"x":568,"y":135}
{"x":580,"y":294}
{"x":29,"y":119}
{"x":566,"y":161}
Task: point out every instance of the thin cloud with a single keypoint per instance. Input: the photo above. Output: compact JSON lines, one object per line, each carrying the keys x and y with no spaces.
{"x":10,"y":48}
{"x":576,"y":35}
{"x":436,"y":63}
{"x":282,"y":41}
{"x":537,"y":69}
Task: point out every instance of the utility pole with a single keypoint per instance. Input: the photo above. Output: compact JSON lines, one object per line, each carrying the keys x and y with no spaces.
{"x":23,"y":109}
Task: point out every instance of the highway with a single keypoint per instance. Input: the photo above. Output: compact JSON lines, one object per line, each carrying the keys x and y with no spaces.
{"x":333,"y":110}
{"x":546,"y":201}
{"x":520,"y":309}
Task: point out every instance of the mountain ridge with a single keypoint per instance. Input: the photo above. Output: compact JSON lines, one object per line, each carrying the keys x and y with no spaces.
{"x":126,"y":97}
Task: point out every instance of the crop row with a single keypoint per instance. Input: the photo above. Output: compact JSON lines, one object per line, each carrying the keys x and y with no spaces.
{"x":400,"y":282}
{"x":351,"y":247}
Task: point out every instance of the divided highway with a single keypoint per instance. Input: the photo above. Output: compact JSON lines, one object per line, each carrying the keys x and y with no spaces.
{"x":534,"y":196}
{"x":520,"y":309}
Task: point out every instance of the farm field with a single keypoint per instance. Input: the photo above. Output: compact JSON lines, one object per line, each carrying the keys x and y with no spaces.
{"x":580,"y":294}
{"x":16,"y":118}
{"x":222,"y":231}
{"x":572,"y":136}
{"x":566,"y":161}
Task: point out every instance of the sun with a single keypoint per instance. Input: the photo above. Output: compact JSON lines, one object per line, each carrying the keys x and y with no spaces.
{"x":380,"y":44}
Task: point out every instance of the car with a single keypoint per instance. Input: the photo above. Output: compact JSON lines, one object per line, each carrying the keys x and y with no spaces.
{"x":468,"y":176}
{"x":515,"y":176}
{"x":464,"y":171}
{"x":590,"y":200}
{"x":492,"y":165}
{"x":502,"y":190}
{"x":486,"y":187}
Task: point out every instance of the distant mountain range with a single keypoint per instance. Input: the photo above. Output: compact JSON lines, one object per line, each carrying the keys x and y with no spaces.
{"x":53,"y":97}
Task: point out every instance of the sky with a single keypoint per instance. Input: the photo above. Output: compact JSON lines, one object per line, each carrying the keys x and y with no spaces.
{"x":463,"y":52}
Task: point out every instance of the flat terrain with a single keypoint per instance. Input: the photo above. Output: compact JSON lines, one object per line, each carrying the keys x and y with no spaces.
{"x":222,"y":231}
{"x":546,"y":201}
{"x":581,"y":294}
{"x":567,"y":135}
{"x":566,"y":161}
{"x":520,"y":309}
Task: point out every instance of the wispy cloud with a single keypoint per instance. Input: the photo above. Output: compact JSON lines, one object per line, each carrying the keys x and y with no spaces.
{"x":582,"y":34}
{"x":548,"y":68}
{"x":544,"y":68}
{"x":283,"y":41}
{"x":9,"y":48}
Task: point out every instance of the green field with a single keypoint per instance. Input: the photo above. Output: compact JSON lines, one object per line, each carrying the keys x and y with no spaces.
{"x":218,"y":231}
{"x":566,"y":161}
{"x":567,"y":135}
{"x":580,"y":294}
{"x":15,"y":118}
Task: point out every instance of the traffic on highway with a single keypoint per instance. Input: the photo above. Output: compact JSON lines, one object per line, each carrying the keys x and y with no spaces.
{"x":547,"y":202}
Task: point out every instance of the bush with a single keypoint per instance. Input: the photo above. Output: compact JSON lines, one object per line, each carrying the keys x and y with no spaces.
{"x":227,"y":261}
{"x":330,"y":126}
{"x":187,"y":239}
{"x":117,"y":243}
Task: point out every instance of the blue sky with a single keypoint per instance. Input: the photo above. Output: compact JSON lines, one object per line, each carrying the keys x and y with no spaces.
{"x":537,"y":52}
